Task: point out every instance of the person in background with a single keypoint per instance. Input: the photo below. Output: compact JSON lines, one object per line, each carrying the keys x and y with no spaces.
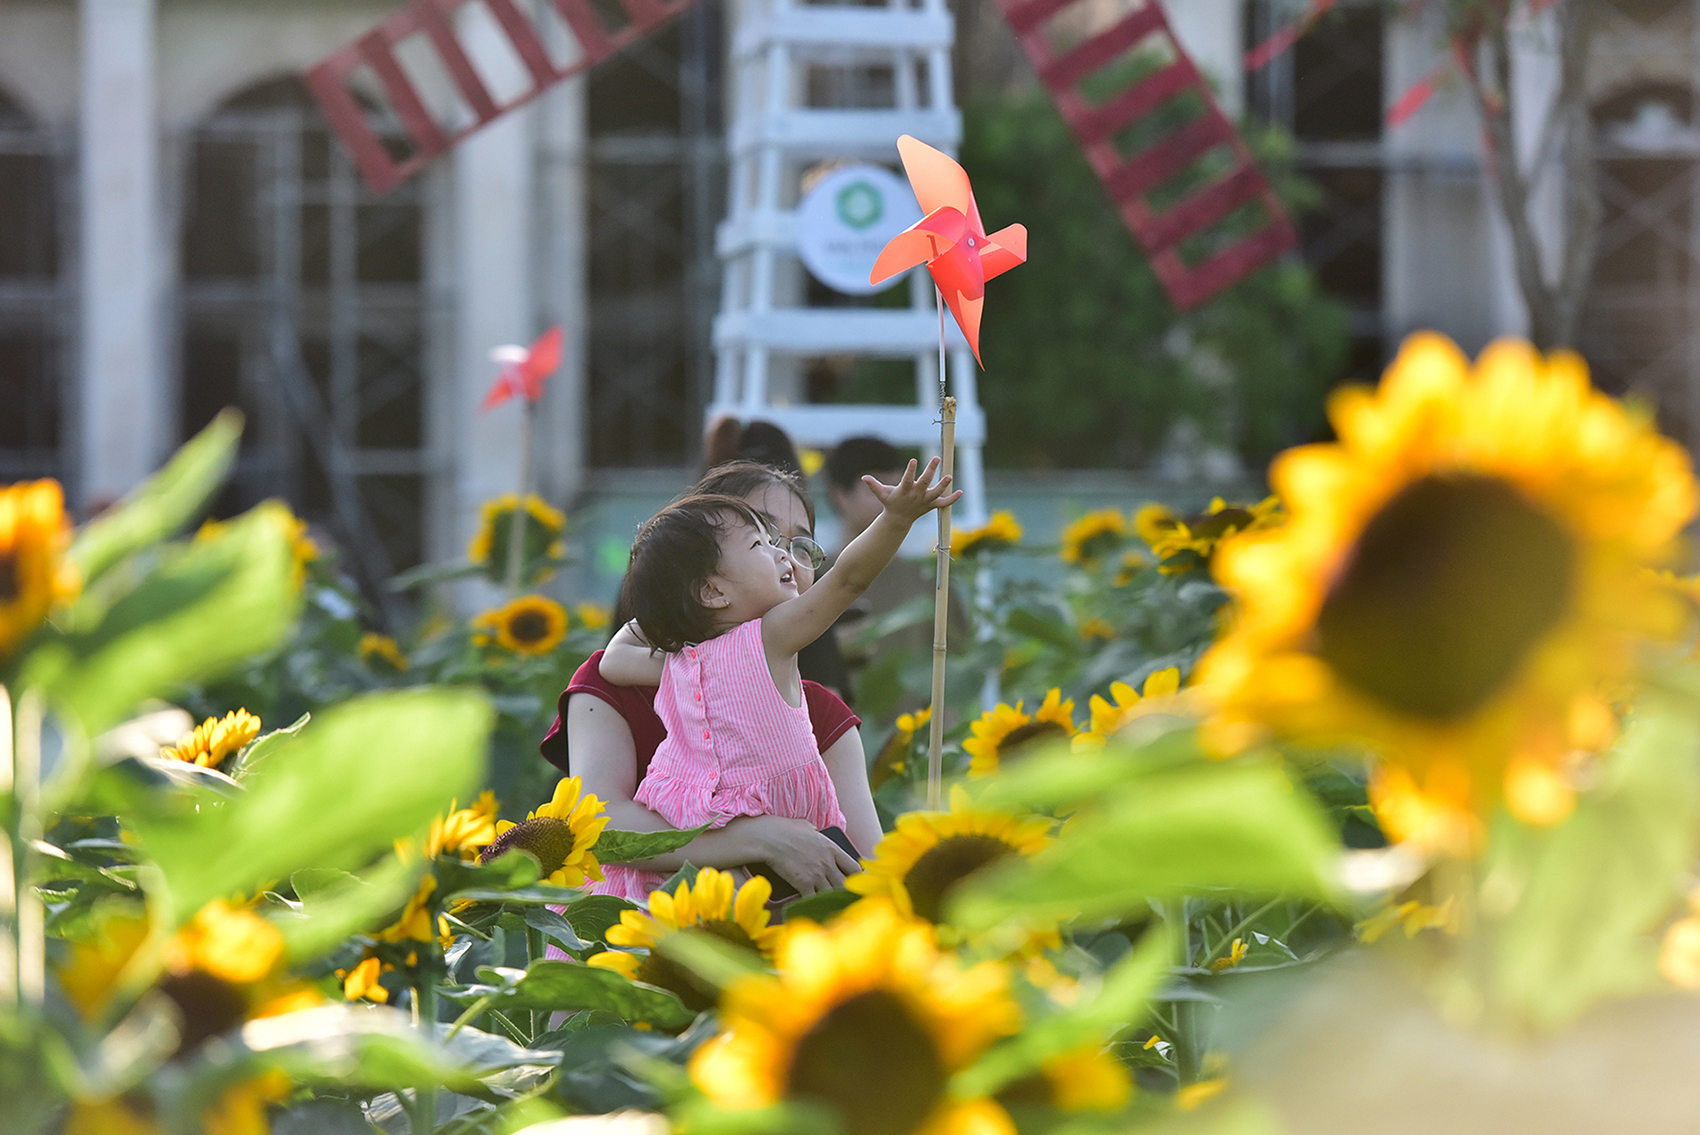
{"x":847,"y":493}
{"x":728,"y":439}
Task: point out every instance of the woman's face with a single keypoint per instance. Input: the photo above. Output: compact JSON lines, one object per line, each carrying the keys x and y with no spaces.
{"x":786,"y":513}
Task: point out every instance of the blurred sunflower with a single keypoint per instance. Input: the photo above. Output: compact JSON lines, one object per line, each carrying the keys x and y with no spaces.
{"x":239,"y":1110}
{"x":865,"y":1017}
{"x":1109,"y":718}
{"x":928,"y":854}
{"x":35,"y":575}
{"x":1082,"y":1079}
{"x":374,"y":646}
{"x":491,"y":544}
{"x":1002,"y":733}
{"x":560,"y":834}
{"x":893,"y":757}
{"x":1184,"y":543}
{"x":414,"y":922}
{"x":361,"y":982}
{"x":303,"y":548}
{"x":1092,"y":535}
{"x":1000,"y":531}
{"x":214,"y":739}
{"x":591,"y":616}
{"x":1461,"y":572}
{"x":716,"y":905}
{"x":531,"y":625}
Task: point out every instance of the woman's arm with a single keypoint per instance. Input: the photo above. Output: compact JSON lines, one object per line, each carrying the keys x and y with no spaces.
{"x":847,"y":764}
{"x":605,"y":759}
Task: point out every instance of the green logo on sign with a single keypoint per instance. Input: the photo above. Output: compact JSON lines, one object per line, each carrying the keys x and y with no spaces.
{"x":860,"y":205}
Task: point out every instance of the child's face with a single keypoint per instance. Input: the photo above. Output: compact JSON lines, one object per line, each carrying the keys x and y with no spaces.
{"x":753,"y":576}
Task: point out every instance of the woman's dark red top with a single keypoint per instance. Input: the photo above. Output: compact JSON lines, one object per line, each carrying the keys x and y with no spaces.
{"x":828,"y":714}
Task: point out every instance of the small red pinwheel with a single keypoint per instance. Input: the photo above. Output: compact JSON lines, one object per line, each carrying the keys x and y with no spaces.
{"x":524,"y":369}
{"x":950,"y":239}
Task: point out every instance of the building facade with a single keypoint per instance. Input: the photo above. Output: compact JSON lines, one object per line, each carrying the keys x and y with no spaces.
{"x":179,"y":232}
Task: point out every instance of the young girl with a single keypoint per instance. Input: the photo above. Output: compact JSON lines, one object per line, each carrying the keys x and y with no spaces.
{"x":710,"y":588}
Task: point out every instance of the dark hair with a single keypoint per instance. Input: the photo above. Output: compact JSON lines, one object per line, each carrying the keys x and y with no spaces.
{"x":674,"y":553}
{"x":741,"y":478}
{"x":729,"y":440}
{"x":854,"y":456}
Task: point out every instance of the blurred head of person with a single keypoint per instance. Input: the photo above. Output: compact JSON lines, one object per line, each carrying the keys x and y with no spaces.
{"x":849,"y":496}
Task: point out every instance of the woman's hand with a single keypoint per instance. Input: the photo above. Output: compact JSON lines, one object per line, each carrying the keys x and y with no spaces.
{"x":799,"y":853}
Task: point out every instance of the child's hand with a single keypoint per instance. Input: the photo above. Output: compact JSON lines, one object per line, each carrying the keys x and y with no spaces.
{"x":913,"y":497}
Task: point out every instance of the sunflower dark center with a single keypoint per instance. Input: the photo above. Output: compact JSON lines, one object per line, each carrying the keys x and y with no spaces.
{"x":549,"y":839}
{"x":871,"y":1061}
{"x":9,"y":586}
{"x":529,"y":626}
{"x":1033,"y":731}
{"x":1450,"y":586}
{"x":946,"y":864}
{"x":207,"y":1006}
{"x":692,"y":990}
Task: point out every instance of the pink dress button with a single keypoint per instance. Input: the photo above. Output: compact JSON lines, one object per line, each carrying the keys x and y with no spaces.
{"x":699,"y":697}
{"x":705,"y":734}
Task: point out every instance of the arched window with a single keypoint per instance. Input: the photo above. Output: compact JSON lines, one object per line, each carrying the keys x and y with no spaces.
{"x":301,"y":301}
{"x":1641,"y":326}
{"x":35,"y":299}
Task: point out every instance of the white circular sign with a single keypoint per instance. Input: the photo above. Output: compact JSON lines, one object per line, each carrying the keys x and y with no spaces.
{"x":846,"y":219}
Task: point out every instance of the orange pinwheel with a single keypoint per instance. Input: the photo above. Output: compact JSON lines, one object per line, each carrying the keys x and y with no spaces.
{"x":524,"y":369}
{"x":950,"y":239}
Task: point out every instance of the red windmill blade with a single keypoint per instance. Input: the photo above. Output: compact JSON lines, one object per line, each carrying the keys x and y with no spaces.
{"x":950,"y":239}
{"x":525,"y":369}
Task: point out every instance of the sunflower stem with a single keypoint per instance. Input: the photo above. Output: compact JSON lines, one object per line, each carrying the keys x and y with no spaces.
{"x":1239,"y":929}
{"x":535,"y":951}
{"x":424,"y":1110}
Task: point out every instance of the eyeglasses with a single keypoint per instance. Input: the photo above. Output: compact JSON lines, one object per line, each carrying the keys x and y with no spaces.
{"x":801,"y":549}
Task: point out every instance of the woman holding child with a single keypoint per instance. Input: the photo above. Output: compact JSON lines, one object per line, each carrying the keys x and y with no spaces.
{"x":751,"y":626}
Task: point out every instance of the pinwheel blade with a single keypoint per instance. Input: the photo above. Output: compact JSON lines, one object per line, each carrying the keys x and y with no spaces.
{"x":929,"y":238}
{"x":938,"y":181}
{"x":544,"y":358}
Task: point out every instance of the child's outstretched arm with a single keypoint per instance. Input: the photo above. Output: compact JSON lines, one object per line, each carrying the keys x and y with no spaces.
{"x":629,"y":660}
{"x":795,"y":623}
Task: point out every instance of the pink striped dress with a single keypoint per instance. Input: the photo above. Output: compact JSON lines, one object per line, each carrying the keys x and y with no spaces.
{"x":734,"y":747}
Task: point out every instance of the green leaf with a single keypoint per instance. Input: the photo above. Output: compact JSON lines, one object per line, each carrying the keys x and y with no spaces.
{"x":555,"y":927}
{"x":336,"y":904}
{"x":1046,"y":629}
{"x":822,"y":906}
{"x":634,"y":847}
{"x":1121,"y":1000}
{"x":551,"y":985}
{"x":363,"y":1047}
{"x":1576,"y":905}
{"x":264,"y":746}
{"x":538,"y":894}
{"x":164,"y":503}
{"x":458,"y":879}
{"x":368,"y":772}
{"x":203,"y":608}
{"x":1240,"y":826}
{"x":592,"y":915}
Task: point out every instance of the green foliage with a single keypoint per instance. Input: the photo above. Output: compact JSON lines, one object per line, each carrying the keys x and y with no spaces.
{"x":311,"y":805}
{"x":564,"y":985}
{"x":634,"y":847}
{"x":1084,"y":354}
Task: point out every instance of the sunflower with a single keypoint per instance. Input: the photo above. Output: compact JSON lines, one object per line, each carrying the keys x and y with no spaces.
{"x":214,"y":739}
{"x":491,"y":544}
{"x":1096,"y":628}
{"x":716,"y":906}
{"x":374,"y":646}
{"x":531,"y":625}
{"x":34,"y":573}
{"x":999,"y":532}
{"x":924,"y":858}
{"x":865,"y":1017}
{"x":239,"y":1110}
{"x":1462,"y":571}
{"x":414,"y":923}
{"x":1002,"y":732}
{"x":218,"y":970}
{"x":1089,"y":537}
{"x":591,"y":616}
{"x":560,"y":834}
{"x":361,"y":982}
{"x":1082,"y":1079}
{"x":1108,"y":719}
{"x":1182,"y":544}
{"x":465,"y":832}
